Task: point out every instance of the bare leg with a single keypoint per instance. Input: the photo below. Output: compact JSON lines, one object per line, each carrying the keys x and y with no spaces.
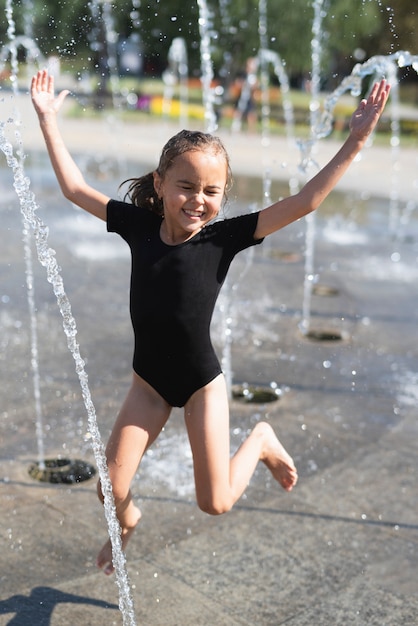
{"x":221,"y":480}
{"x":139,"y":422}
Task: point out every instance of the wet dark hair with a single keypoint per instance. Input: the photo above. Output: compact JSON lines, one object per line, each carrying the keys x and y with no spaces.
{"x":141,"y":190}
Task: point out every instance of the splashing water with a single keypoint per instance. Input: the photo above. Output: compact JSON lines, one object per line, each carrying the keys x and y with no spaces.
{"x":46,"y":256}
{"x":267,"y":57}
{"x":105,"y":30}
{"x":12,"y":49}
{"x":176,"y":73}
{"x":376,"y":66}
{"x":30,"y":291}
{"x":321,"y":126}
{"x":209,"y":98}
{"x":279,"y":69}
{"x":307,"y":161}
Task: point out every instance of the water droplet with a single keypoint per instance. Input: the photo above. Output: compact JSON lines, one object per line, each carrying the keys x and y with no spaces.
{"x":312,"y":466}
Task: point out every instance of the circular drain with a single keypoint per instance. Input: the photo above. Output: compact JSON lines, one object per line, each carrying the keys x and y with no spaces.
{"x":255,"y":395}
{"x":324,"y":290}
{"x":323,"y":335}
{"x":64,"y":471}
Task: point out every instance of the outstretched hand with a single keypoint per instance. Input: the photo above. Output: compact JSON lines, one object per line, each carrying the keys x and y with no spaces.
{"x":42,"y":94}
{"x":368,"y":112}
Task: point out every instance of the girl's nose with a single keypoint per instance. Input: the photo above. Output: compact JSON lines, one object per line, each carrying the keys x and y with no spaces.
{"x":198,"y":198}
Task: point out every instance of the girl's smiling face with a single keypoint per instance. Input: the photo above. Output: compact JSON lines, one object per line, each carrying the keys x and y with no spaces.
{"x":192,"y":191}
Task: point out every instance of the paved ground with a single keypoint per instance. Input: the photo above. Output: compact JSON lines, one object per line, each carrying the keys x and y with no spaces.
{"x":343,"y":547}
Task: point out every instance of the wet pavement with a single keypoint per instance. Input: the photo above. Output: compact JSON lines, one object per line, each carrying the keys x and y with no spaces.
{"x":342,"y":548}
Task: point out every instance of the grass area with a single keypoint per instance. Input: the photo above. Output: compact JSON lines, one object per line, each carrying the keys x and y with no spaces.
{"x":151,"y":93}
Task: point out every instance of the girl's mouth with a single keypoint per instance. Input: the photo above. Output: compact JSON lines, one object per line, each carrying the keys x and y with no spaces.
{"x":191,"y":213}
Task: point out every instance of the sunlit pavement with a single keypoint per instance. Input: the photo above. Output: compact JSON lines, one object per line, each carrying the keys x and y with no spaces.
{"x":342,"y":547}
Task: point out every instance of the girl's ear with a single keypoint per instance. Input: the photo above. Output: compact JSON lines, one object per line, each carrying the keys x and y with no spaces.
{"x":157,"y":182}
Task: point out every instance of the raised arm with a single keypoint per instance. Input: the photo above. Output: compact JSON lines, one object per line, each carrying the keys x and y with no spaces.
{"x":362,"y":123}
{"x":69,"y":177}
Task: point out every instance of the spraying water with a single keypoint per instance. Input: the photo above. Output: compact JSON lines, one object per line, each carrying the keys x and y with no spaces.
{"x":260,"y":64}
{"x":269,"y":57}
{"x":209,"y":96}
{"x":316,"y":53}
{"x":376,"y":66}
{"x":321,"y":125}
{"x":46,"y":256}
{"x":176,"y":73}
{"x":103,"y":40}
{"x":12,"y":49}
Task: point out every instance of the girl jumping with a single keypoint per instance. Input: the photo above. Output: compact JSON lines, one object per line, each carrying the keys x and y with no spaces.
{"x":180,"y":258}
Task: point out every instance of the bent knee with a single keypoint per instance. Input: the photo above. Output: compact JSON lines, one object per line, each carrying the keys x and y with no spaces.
{"x":214,"y":506}
{"x":120,"y":494}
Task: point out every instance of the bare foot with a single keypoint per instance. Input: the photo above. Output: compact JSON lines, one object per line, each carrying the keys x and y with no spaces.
{"x":104,"y":558}
{"x":275,"y":457}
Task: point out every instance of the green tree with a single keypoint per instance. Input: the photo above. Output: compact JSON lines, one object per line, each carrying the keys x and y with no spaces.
{"x":67,"y":28}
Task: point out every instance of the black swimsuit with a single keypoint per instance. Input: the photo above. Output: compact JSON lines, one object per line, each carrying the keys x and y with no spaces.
{"x":173,"y":295}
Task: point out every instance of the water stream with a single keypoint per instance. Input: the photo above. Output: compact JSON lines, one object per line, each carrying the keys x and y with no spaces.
{"x":209,"y":96}
{"x":307,"y":162}
{"x":176,"y":73}
{"x":27,"y":243}
{"x":46,"y":256}
{"x":376,"y":67}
